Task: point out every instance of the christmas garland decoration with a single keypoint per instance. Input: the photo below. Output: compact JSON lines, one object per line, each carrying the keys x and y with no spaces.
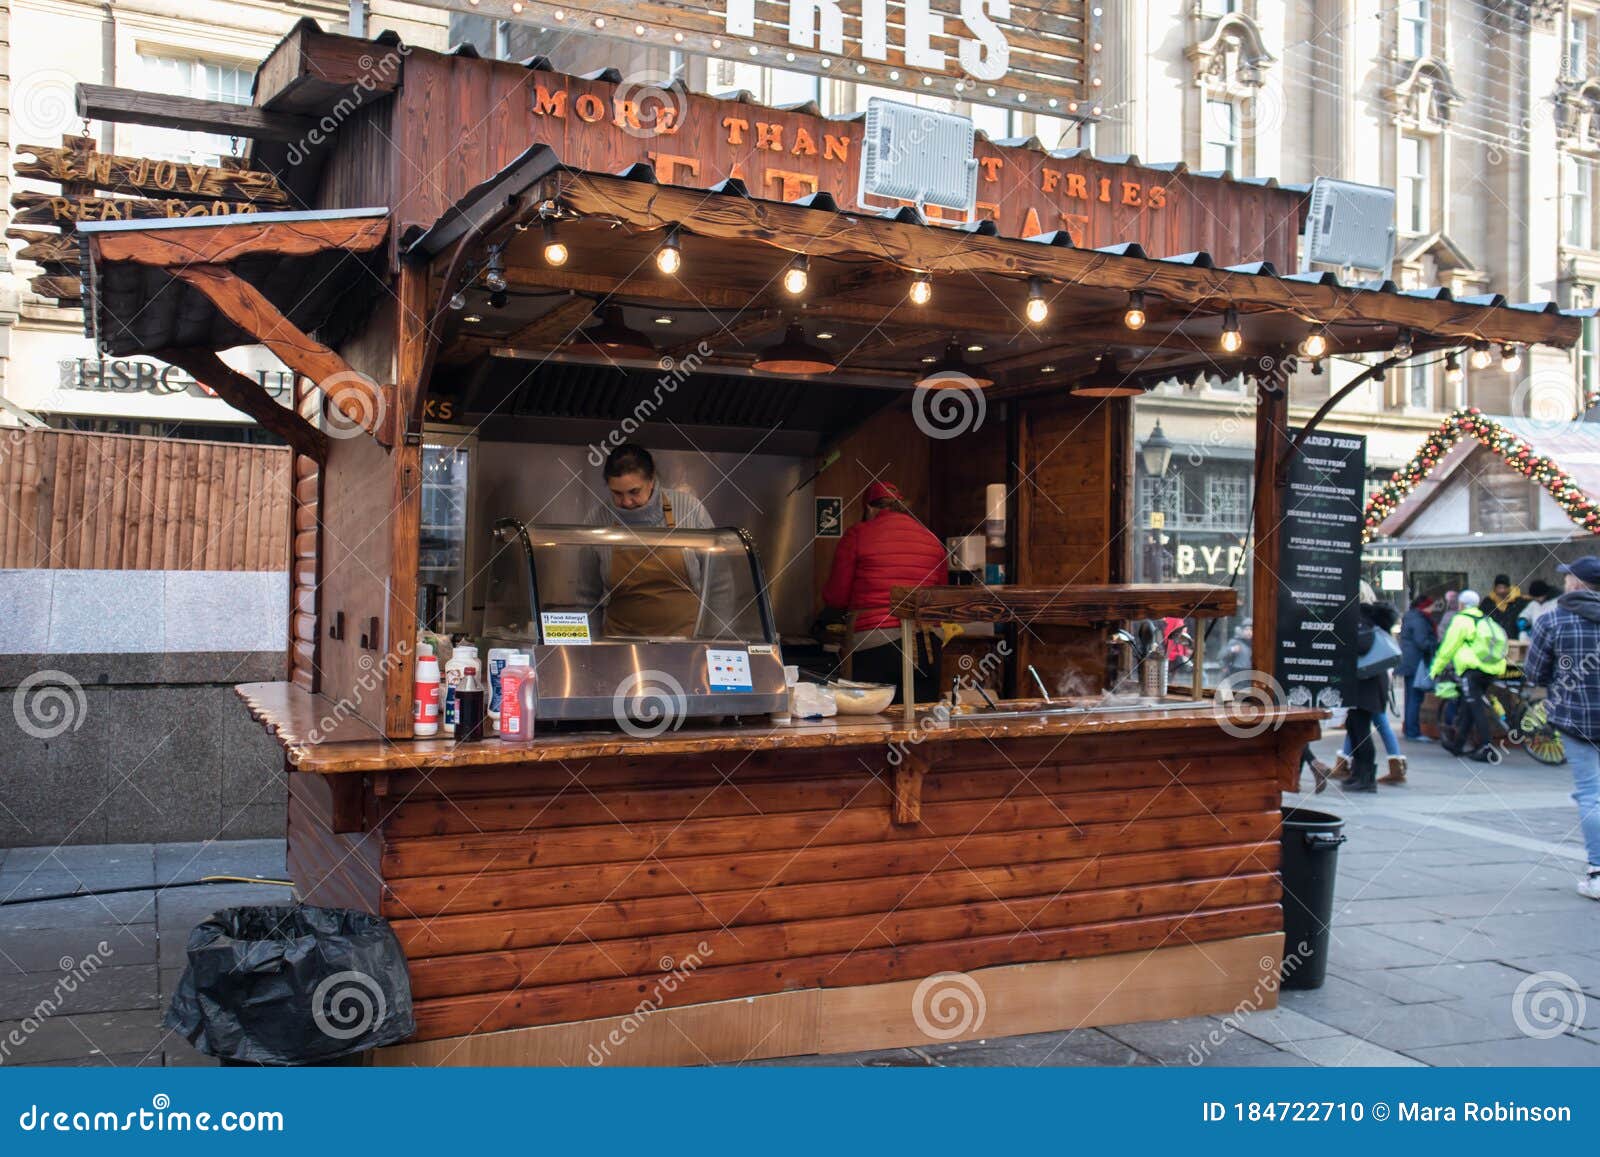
{"x":1512,"y":449}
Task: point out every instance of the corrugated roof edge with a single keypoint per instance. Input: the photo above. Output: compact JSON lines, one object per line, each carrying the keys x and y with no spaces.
{"x":824,"y":201}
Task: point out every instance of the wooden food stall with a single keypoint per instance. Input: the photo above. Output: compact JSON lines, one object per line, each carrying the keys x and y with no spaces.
{"x":507,"y":249}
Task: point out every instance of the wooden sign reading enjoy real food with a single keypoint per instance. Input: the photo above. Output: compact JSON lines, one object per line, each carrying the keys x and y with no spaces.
{"x":159,"y":188}
{"x":148,"y":176}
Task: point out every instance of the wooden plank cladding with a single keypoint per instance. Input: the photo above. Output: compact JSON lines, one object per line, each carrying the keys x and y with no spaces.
{"x":80,"y":501}
{"x":538,"y":894}
{"x":782,"y":155}
{"x":1081,"y":606}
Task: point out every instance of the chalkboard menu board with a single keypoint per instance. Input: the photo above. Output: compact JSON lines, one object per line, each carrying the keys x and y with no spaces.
{"x":1319,"y":570}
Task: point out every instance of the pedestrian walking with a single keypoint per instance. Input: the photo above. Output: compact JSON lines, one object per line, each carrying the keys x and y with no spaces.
{"x":1417,"y":645}
{"x":1564,"y":657}
{"x":1371,"y":697}
{"x":1475,"y":649}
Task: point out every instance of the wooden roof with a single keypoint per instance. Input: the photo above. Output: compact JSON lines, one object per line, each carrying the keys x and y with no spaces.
{"x":736,"y":246}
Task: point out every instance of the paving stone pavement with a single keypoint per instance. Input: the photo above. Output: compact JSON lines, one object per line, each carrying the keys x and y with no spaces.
{"x":1454,"y":895}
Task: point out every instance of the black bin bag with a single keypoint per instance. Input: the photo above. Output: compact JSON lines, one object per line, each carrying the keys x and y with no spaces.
{"x":281,"y":985}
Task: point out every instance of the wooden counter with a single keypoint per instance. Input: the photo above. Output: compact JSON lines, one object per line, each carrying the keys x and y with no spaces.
{"x":793,"y":890}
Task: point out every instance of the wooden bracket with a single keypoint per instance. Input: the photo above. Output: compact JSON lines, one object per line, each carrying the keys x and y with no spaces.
{"x":220,"y":244}
{"x":356,"y":396}
{"x":908,"y":776}
{"x":245,"y":394}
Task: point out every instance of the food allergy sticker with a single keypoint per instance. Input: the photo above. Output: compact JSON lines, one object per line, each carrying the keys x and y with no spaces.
{"x":728,"y":671}
{"x":565,"y":628}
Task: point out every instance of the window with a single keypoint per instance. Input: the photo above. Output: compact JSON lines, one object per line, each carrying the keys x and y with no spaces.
{"x":187,"y":76}
{"x":1419,"y":387}
{"x":1577,"y":47}
{"x":1587,"y":356}
{"x":1502,"y":501}
{"x":1413,"y":198}
{"x":998,"y":123}
{"x":785,"y":87}
{"x":1228,"y":499}
{"x":1577,"y":184}
{"x":1220,"y":147}
{"x":1415,"y":29}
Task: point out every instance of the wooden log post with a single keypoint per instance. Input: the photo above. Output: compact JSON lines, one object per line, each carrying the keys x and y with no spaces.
{"x":1272,"y":438}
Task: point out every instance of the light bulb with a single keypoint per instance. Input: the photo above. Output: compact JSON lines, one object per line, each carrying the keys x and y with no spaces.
{"x":458,"y":300}
{"x":1038,"y":308}
{"x":1315,"y":345}
{"x":1402,"y":346}
{"x":921,"y":289}
{"x":1480,"y":356}
{"x":1135,"y":317}
{"x":1510,"y":359}
{"x":494,"y":281}
{"x":1452,"y":369}
{"x":669,"y":258}
{"x":795,"y":277}
{"x":555,"y":252}
{"x":1232,"y":339}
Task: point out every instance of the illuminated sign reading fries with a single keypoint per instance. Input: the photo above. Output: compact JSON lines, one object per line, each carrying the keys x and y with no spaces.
{"x":1037,"y":56}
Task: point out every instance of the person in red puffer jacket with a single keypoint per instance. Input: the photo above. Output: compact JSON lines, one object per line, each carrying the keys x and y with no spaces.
{"x":888,"y":548}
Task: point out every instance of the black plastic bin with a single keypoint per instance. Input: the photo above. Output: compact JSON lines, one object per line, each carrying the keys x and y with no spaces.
{"x":271,"y":985}
{"x":1311,"y":842}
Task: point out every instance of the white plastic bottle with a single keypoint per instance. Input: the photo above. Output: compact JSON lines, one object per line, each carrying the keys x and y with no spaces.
{"x":425,"y":699}
{"x":463,"y":659}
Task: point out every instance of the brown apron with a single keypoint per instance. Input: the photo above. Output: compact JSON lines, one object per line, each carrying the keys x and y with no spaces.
{"x":651,"y":594}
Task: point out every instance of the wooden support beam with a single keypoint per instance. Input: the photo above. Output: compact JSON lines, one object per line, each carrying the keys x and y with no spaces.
{"x":245,"y":394}
{"x":221,"y":244}
{"x":356,"y":396}
{"x":1272,"y":445}
{"x":99,"y":102}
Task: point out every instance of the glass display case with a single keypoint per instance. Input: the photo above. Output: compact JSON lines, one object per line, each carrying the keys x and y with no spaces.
{"x":618,"y":618}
